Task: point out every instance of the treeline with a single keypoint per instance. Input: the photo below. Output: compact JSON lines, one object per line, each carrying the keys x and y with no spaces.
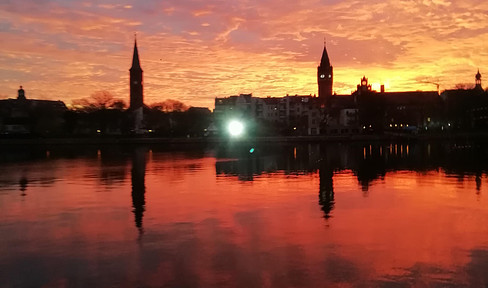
{"x":192,"y":122}
{"x":102,"y":114}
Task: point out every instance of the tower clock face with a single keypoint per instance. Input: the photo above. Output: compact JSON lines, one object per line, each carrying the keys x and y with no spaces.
{"x":135,"y":82}
{"x":322,"y":76}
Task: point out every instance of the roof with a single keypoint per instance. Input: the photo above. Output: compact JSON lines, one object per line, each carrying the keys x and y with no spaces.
{"x":271,"y":100}
{"x":225,"y":101}
{"x":324,"y":61}
{"x":462,"y":94}
{"x":30,"y":104}
{"x":411,"y":97}
{"x":246,"y":97}
{"x":135,"y":58}
{"x":342,"y":101}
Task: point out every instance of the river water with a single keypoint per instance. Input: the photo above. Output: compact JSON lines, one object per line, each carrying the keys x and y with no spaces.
{"x":308,"y":215}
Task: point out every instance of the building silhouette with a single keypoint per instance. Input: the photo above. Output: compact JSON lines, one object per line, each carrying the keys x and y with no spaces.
{"x":290,"y":115}
{"x":21,"y":94}
{"x":466,"y":109}
{"x":136,"y":91}
{"x":367,"y":111}
{"x":396,"y":111}
{"x":325,"y":76}
{"x":478,"y":81}
{"x":23,"y":116}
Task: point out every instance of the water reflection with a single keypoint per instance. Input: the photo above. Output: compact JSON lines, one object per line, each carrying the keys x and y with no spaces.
{"x":138,"y":174}
{"x":478,"y":182}
{"x":237,"y":161}
{"x":245,"y":219}
{"x":368,"y":162}
{"x":473,"y":274}
{"x":326,"y":191}
{"x":23,"y":185}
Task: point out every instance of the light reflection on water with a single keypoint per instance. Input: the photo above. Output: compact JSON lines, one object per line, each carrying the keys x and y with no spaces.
{"x":375,"y":215}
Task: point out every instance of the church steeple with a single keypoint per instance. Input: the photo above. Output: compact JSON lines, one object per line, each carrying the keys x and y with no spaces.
{"x":325,"y":77}
{"x":135,"y":58}
{"x":136,"y":95}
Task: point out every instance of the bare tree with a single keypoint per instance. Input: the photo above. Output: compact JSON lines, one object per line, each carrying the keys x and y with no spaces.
{"x":463,"y":86}
{"x":100,"y":100}
{"x":170,"y":105}
{"x":118,"y":104}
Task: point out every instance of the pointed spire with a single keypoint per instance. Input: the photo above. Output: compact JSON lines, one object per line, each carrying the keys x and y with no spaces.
{"x":325,"y":62}
{"x":478,"y":75}
{"x":135,"y":58}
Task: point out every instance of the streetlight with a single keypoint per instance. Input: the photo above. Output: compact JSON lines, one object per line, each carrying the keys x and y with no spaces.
{"x":235,"y":128}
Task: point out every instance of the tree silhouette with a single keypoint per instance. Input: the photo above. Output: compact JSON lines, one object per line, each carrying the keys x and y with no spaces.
{"x":170,"y":105}
{"x":463,"y":86}
{"x":100,"y":100}
{"x":99,"y":113}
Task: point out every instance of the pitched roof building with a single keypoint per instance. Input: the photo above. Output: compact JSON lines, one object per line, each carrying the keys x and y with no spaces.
{"x":27,"y":116}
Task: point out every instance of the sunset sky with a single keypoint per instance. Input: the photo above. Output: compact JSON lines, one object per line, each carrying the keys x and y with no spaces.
{"x":195,"y":50}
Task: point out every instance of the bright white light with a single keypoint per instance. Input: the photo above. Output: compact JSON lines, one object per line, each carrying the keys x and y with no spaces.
{"x":235,"y":128}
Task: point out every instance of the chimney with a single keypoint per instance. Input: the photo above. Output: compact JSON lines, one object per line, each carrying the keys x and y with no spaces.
{"x":382,"y":88}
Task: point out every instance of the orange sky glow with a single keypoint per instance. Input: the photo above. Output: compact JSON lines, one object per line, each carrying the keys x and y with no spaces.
{"x":194,"y":51}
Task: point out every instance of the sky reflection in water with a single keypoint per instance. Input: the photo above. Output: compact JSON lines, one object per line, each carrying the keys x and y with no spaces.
{"x":383,"y":215}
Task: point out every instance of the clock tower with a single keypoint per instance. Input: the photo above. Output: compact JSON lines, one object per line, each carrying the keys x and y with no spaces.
{"x":325,"y":77}
{"x":136,"y":96}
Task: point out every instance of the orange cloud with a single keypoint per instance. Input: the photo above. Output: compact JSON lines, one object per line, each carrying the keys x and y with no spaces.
{"x":195,"y":51}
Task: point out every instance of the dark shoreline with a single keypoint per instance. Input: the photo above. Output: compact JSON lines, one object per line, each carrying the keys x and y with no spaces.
{"x":107,"y":140}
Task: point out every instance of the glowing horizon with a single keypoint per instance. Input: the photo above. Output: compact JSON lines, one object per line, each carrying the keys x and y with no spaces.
{"x":198,"y":50}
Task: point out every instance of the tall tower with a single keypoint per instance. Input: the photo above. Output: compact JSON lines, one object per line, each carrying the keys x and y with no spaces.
{"x":325,"y":77}
{"x":478,"y":80}
{"x":21,"y":94}
{"x":136,"y":96}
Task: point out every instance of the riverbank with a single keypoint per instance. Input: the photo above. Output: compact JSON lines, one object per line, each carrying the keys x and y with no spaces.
{"x":204,"y":140}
